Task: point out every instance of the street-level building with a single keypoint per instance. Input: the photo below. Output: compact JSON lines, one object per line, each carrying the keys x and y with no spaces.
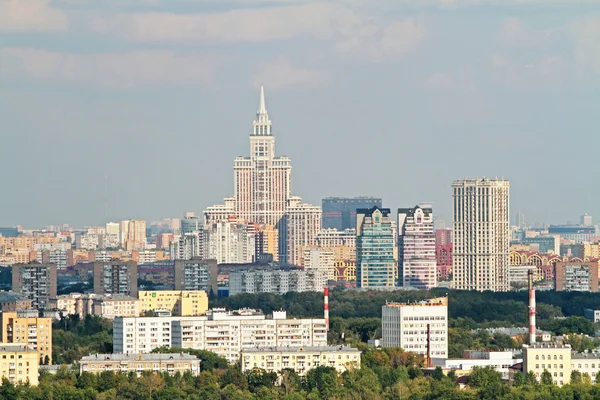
{"x":185,"y":303}
{"x":30,"y":331}
{"x":170,"y":363}
{"x":19,"y":364}
{"x":300,"y":359}
{"x":225,"y":333}
{"x":405,"y":325}
{"x":548,"y":356}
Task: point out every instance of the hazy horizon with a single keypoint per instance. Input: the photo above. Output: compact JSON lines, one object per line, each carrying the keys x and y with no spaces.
{"x":137,"y":108}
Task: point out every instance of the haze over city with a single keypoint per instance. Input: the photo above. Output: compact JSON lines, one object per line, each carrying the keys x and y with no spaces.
{"x":105,"y":117}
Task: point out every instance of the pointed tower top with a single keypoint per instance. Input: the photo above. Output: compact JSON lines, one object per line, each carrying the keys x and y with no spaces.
{"x":262,"y":108}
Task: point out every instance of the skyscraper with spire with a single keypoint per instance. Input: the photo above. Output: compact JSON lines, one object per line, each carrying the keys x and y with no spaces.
{"x":262,"y":192}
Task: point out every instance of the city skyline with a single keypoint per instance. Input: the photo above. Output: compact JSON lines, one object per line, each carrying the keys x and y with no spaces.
{"x":107,"y":120}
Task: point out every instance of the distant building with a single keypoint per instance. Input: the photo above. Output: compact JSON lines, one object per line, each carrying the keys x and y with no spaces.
{"x":576,"y":276}
{"x":416,"y":248}
{"x":277,"y":281}
{"x":481,"y":234}
{"x":196,"y":274}
{"x":375,"y":262}
{"x":104,"y":306}
{"x":170,"y":363}
{"x":405,"y":325}
{"x":191,"y":223}
{"x":133,"y":234}
{"x":301,"y":224}
{"x":592,"y":314}
{"x":577,"y":233}
{"x":500,"y":361}
{"x":33,"y":332}
{"x":340,"y":212}
{"x":9,"y":232}
{"x":116,"y":277}
{"x":10,"y":301}
{"x":545,"y":244}
{"x":319,"y":259}
{"x":267,"y":244}
{"x":300,"y":359}
{"x":189,"y":245}
{"x":185,"y":303}
{"x":36,"y":282}
{"x":231,"y":241}
{"x":586,"y":220}
{"x":19,"y":364}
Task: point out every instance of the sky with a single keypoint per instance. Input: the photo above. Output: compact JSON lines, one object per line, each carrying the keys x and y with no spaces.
{"x":120,"y":109}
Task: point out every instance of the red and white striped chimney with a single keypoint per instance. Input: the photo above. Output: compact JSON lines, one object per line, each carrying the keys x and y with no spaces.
{"x":326,"y":307}
{"x":531,"y":307}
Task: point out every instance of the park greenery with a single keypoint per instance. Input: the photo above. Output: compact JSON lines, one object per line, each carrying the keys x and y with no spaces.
{"x":385,"y":373}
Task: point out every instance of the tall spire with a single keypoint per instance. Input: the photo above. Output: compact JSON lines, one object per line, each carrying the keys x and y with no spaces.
{"x":262,"y":109}
{"x":262,"y":125}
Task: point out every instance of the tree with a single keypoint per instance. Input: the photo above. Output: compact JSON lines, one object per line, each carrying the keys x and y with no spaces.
{"x":576,"y":377}
{"x":531,"y":379}
{"x":519,"y":379}
{"x":438,"y":374}
{"x":322,"y":379}
{"x":597,"y":380}
{"x":546,"y":378}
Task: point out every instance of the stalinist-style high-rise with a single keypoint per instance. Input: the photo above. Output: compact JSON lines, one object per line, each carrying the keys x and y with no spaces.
{"x":262,"y":181}
{"x":262,"y":193}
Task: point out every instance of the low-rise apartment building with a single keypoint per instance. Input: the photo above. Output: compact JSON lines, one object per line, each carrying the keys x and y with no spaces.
{"x":19,"y":363}
{"x":186,"y":303}
{"x":224,"y":332}
{"x":300,"y":359}
{"x":551,"y":357}
{"x":277,"y":281}
{"x":138,"y":363}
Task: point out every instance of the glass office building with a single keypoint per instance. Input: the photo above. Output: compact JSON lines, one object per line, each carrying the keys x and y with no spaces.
{"x":340,"y":212}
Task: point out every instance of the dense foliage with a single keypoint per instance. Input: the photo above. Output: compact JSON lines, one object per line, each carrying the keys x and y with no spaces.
{"x":73,"y":338}
{"x":385,"y":374}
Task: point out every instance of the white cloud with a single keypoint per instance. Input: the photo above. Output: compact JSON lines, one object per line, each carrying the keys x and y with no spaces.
{"x":516,"y":34}
{"x":373,"y":43}
{"x":237,"y":26}
{"x":586,"y":36}
{"x":281,"y":74}
{"x":523,"y":71}
{"x":114,"y":70}
{"x":31,"y":15}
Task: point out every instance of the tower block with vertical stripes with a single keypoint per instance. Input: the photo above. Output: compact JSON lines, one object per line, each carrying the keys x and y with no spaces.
{"x":326,"y":307}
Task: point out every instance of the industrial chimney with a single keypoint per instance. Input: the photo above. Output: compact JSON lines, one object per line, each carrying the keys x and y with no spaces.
{"x":326,"y":307}
{"x":531,"y":307}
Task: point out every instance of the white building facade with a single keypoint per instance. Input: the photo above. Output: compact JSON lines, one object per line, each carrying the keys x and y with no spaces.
{"x":481,"y":224}
{"x":276,"y":281}
{"x":319,"y":259}
{"x":405,"y":325}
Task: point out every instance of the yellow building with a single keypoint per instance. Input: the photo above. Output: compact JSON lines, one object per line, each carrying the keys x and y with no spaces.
{"x":185,"y":303}
{"x":18,"y":363}
{"x":587,"y":250}
{"x":551,"y":357}
{"x":345,"y":270}
{"x":31,"y":331}
{"x":300,"y":359}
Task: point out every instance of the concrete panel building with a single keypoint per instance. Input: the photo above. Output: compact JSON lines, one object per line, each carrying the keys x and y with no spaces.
{"x":116,"y":277}
{"x":187,"y":303}
{"x":32,"y":332}
{"x":170,"y":363}
{"x":576,"y":276}
{"x":19,"y":364}
{"x":196,"y":274}
{"x":36,"y":282}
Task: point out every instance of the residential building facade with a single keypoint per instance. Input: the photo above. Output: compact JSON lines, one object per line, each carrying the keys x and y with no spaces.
{"x":416,"y":247}
{"x":36,"y":282}
{"x":116,"y":277}
{"x":576,"y":276}
{"x":196,"y":274}
{"x":277,"y":281}
{"x":375,"y":262}
{"x":32,"y":332}
{"x":340,"y":212}
{"x":170,"y":363}
{"x":19,"y":364}
{"x":481,"y":234}
{"x":185,"y":303}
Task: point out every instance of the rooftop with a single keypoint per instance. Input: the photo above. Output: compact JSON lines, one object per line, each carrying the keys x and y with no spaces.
{"x":437,"y":301}
{"x":546,"y":345}
{"x":15,"y":348}
{"x":308,"y":349}
{"x":140,"y":357}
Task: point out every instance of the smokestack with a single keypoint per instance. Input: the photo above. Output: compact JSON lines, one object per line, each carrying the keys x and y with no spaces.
{"x":326,"y":307}
{"x":428,"y":345}
{"x":531,"y":307}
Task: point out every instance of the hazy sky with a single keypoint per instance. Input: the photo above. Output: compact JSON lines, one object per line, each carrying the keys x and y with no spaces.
{"x":137,"y":108}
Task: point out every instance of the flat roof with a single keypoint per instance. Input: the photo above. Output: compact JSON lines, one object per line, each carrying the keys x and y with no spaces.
{"x":141,"y":357}
{"x":288,"y":349}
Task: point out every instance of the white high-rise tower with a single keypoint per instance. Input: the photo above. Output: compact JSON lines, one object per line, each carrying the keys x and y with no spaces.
{"x":262,"y":181}
{"x":481,"y":254}
{"x":262,"y":193}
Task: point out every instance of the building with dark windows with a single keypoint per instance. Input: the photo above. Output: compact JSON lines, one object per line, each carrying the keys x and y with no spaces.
{"x":116,"y":277}
{"x":375,"y":262}
{"x":340,"y":212}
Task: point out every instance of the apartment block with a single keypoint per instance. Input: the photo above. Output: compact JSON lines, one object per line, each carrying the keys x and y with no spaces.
{"x":36,"y":282}
{"x":10,"y":301}
{"x":116,"y":277}
{"x":417,"y":265}
{"x":576,"y":276}
{"x":375,"y":247}
{"x":481,"y":234}
{"x":139,"y":363}
{"x":319,"y":259}
{"x":300,"y":359}
{"x":225,"y":333}
{"x":277,"y":281}
{"x":196,"y":274}
{"x":301,"y":224}
{"x":185,"y":303}
{"x":19,"y":364}
{"x":405,"y":325}
{"x":30,"y":331}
